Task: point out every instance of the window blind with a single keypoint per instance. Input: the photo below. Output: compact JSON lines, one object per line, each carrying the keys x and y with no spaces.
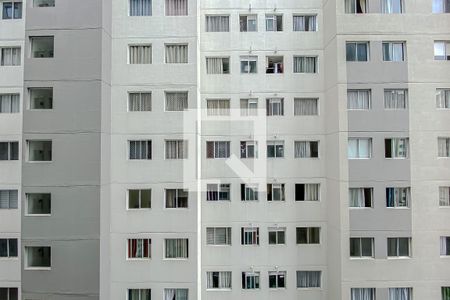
{"x":176,"y":101}
{"x":141,"y":54}
{"x":308,"y":279}
{"x":140,"y":101}
{"x":176,"y":54}
{"x":176,"y":248}
{"x":9,"y":199}
{"x":306,"y":106}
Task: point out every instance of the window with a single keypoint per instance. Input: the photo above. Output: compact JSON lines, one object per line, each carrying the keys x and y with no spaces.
{"x":305,"y":23}
{"x":444,"y":196}
{"x":140,"y":54}
{"x":445,"y":293}
{"x":275,"y":149}
{"x":398,"y":197}
{"x":445,"y":245}
{"x":218,"y":236}
{"x":10,"y":56}
{"x":249,"y":107}
{"x":39,"y":203}
{"x":277,"y":279}
{"x":275,"y":106}
{"x":441,"y":6}
{"x":217,"y":192}
{"x":139,"y":199}
{"x":307,"y":191}
{"x":43,"y":3}
{"x":357,"y":51}
{"x":12,"y":10}
{"x":361,"y":247}
{"x":250,"y":236}
{"x":359,"y":99}
{"x":248,"y":23}
{"x":176,"y":294}
{"x":359,"y":148}
{"x":139,"y":248}
{"x":394,"y":51}
{"x":218,"y":149}
{"x":8,"y":247}
{"x":141,"y":150}
{"x":400,"y":293}
{"x":277,"y":236}
{"x":177,"y":54}
{"x":249,"y":192}
{"x":391,"y":6}
{"x":218,"y":65}
{"x":249,"y":64}
{"x":306,"y":106}
{"x":274,"y":23}
{"x":9,"y":103}
{"x":249,"y":149}
{"x":309,"y":279}
{"x":398,"y":247}
{"x":9,"y":199}
{"x":274,"y":65}
{"x":140,"y":8}
{"x":42,"y":46}
{"x":176,"y":101}
{"x":305,"y":64}
{"x":355,"y":6}
{"x":176,"y":198}
{"x":250,"y":280}
{"x":218,"y":107}
{"x":396,"y":99}
{"x":41,"y":98}
{"x":306,"y":149}
{"x":38,"y":257}
{"x":176,"y":149}
{"x":139,"y":101}
{"x":308,"y":235}
{"x":442,"y":50}
{"x":443,"y":147}
{"x":396,"y":148}
{"x":218,"y":280}
{"x":139,"y":294}
{"x":360,"y":197}
{"x":176,"y":248}
{"x":9,"y":293}
{"x":176,"y":7}
{"x":275,"y":192}
{"x":9,"y":151}
{"x":362,"y":293}
{"x":217,"y":23}
{"x":443,"y":98}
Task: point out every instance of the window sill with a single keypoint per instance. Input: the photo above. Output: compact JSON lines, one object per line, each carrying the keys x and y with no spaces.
{"x":218,"y":290}
{"x":400,"y":208}
{"x":214,"y":245}
{"x":175,"y":259}
{"x":309,"y":288}
{"x":38,"y":268}
{"x":398,"y":257}
{"x":39,"y":161}
{"x":138,"y":259}
{"x":139,"y":209}
{"x":38,"y":215}
{"x":358,"y":208}
{"x":360,"y":158}
{"x":10,"y":258}
{"x":362,"y":258}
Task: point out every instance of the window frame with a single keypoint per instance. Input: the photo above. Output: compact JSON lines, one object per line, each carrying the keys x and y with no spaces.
{"x":278,"y":275}
{"x":140,"y":93}
{"x":250,"y":236}
{"x":249,"y":189}
{"x":309,"y":235}
{"x":398,"y":256}
{"x":10,"y":256}
{"x":275,"y":144}
{"x":139,"y":45}
{"x":149,"y":154}
{"x":40,"y":268}
{"x":277,"y":231}
{"x":245,"y":146}
{"x":246,"y":16}
{"x":10,"y":155}
{"x":31,"y":40}
{"x":143,"y":257}
{"x":256,"y":281}
{"x":140,"y":199}
{"x":28,"y":214}
{"x":218,"y":190}
{"x":361,"y":255}
{"x":177,"y":197}
{"x":270,"y":192}
{"x":228,"y":236}
{"x":273,"y":18}
{"x":13,"y":7}
{"x":183,"y":143}
{"x":30,"y":98}
{"x":216,"y":149}
{"x":390,"y":45}
{"x":370,"y":150}
{"x":10,"y":48}
{"x":175,"y":258}
{"x":247,"y":61}
{"x":357,"y":43}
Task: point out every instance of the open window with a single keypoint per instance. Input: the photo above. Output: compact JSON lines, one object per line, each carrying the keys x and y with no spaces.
{"x":356,"y":6}
{"x":39,"y":203}
{"x":42,"y":46}
{"x":274,"y":65}
{"x":39,"y":150}
{"x":38,"y":257}
{"x":41,"y":98}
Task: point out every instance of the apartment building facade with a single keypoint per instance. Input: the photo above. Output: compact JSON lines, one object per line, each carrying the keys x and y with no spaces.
{"x":187,"y":149}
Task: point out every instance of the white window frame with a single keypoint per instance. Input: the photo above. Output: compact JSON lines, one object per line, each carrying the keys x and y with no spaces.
{"x":397,"y":256}
{"x":184,"y":144}
{"x":177,"y":205}
{"x":140,"y":199}
{"x":176,"y":258}
{"x":250,"y":189}
{"x":253,"y":234}
{"x":281,"y":192}
{"x":275,"y":144}
{"x":228,"y":236}
{"x":277,"y":275}
{"x":370,"y":150}
{"x":27,"y":199}
{"x":218,"y":189}
{"x":249,"y":144}
{"x":361,"y":256}
{"x":26,"y":267}
{"x":443,"y":97}
{"x":216,"y":147}
{"x":391,"y":50}
{"x":273,"y":18}
{"x":142,"y":240}
{"x":246,"y":59}
{"x":249,"y":110}
{"x":276,"y":230}
{"x":256,"y":280}
{"x":247,"y":18}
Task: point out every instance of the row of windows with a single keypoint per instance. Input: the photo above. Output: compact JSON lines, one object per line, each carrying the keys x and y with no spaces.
{"x":390,"y":6}
{"x":13,"y":9}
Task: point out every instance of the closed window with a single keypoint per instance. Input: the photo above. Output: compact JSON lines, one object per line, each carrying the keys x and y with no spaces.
{"x":309,"y":279}
{"x":442,"y":50}
{"x":139,"y":101}
{"x":306,"y":106}
{"x":249,"y":64}
{"x":396,"y":148}
{"x":445,"y":290}
{"x":250,"y":280}
{"x":41,"y":98}
{"x":399,"y":247}
{"x":218,"y":65}
{"x":277,"y":236}
{"x":177,"y":54}
{"x":217,"y":192}
{"x":249,"y":192}
{"x":43,"y":3}
{"x":176,"y":149}
{"x":308,"y":235}
{"x":39,"y":203}
{"x":217,"y":23}
{"x":140,"y":150}
{"x":249,"y":107}
{"x":9,"y":151}
{"x":38,"y":257}
{"x":9,"y":103}
{"x":445,"y":245}
{"x":176,"y":7}
{"x":218,"y":107}
{"x":218,"y":280}
{"x":404,"y":293}
{"x":305,"y":64}
{"x":356,"y":6}
{"x":443,"y":147}
{"x":391,"y":6}
{"x":307,"y":191}
{"x":275,"y":192}
{"x":362,"y":293}
{"x":176,"y":101}
{"x":444,"y":196}
{"x":360,"y":197}
{"x":394,"y":51}
{"x":176,"y":294}
{"x":9,"y":199}
{"x":140,"y":54}
{"x":275,"y":106}
{"x":274,"y":65}
{"x":176,"y":248}
{"x":277,"y":279}
{"x":12,"y":10}
{"x":9,"y":293}
{"x":359,"y":99}
{"x":395,"y":99}
{"x":139,"y":294}
{"x":441,"y":6}
{"x":42,"y":46}
{"x":275,"y":149}
{"x":357,"y":51}
{"x":248,"y":23}
{"x":10,"y":56}
{"x":359,"y":148}
{"x":250,"y":236}
{"x":218,"y":236}
{"x":249,"y":149}
{"x":139,"y":248}
{"x":176,"y":198}
{"x":305,"y":23}
{"x":398,"y":197}
{"x":306,"y":149}
{"x":443,"y":98}
{"x":140,"y":8}
{"x":274,"y":22}
{"x":139,"y":199}
{"x":8,"y":247}
{"x":218,"y":149}
{"x":361,"y":247}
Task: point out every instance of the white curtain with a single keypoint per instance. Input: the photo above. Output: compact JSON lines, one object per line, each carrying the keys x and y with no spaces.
{"x":169,"y":294}
{"x":176,"y":101}
{"x":176,"y":248}
{"x":140,"y":102}
{"x":444,"y":196}
{"x":395,"y":99}
{"x":217,"y":23}
{"x":10,"y":56}
{"x":214,"y":65}
{"x":302,"y":149}
{"x":218,"y":107}
{"x":444,"y":245}
{"x":140,"y":7}
{"x":176,"y":7}
{"x":141,"y":54}
{"x":299,"y":23}
{"x":305,"y":64}
{"x":399,"y":147}
{"x":224,"y":280}
{"x":444,"y":147}
{"x":308,"y":279}
{"x":305,"y":106}
{"x":362,"y":294}
{"x":358,"y":99}
{"x":176,"y":149}
{"x":176,"y":54}
{"x":443,"y":98}
{"x":400,"y":293}
{"x":357,"y":198}
{"x":9,"y":103}
{"x":312,"y":192}
{"x":391,"y":6}
{"x":350,"y":6}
